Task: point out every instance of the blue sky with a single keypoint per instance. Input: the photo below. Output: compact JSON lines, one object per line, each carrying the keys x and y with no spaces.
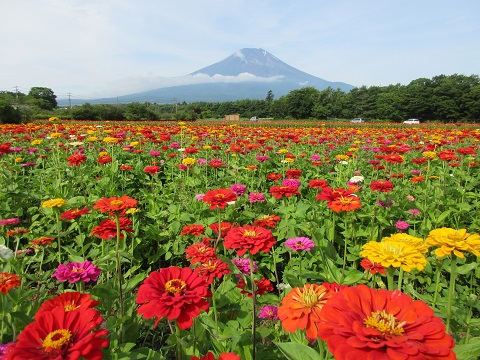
{"x":95,"y":48}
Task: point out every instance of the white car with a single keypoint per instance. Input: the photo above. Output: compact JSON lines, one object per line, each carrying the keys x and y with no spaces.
{"x":412,"y":121}
{"x":357,"y":120}
{"x":254,"y":118}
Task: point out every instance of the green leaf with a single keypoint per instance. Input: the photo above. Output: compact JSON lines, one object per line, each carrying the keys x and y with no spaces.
{"x":293,"y":281}
{"x":352,"y":277}
{"x":465,"y":269}
{"x":468,"y":351}
{"x":296,"y":351}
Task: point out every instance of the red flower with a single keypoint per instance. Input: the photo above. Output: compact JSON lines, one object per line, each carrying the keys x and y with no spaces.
{"x":416,"y":179}
{"x":125,"y":167}
{"x":340,"y":199}
{"x":364,"y":323}
{"x":76,"y":159}
{"x":114,"y":205}
{"x":216,"y":163}
{"x":249,"y":238}
{"x":262,"y":286}
{"x":293,"y":173}
{"x":225,"y":228}
{"x":223,"y":356}
{"x":174,"y":293}
{"x":300,"y":308}
{"x":466,"y":151}
{"x":8,"y":282}
{"x":280,"y":191}
{"x":152,"y":169}
{"x":219,"y":198}
{"x":69,"y":301}
{"x":60,"y":334}
{"x":212,"y":268}
{"x":194,"y":229}
{"x":420,"y":161}
{"x":104,"y":159}
{"x":274,"y":176}
{"x":317,"y":184}
{"x":393,"y":158}
{"x":107,"y":229}
{"x":372,"y":266}
{"x":74,"y":213}
{"x":381,"y":186}
{"x":268,"y":221}
{"x":200,"y":252}
{"x":41,"y":241}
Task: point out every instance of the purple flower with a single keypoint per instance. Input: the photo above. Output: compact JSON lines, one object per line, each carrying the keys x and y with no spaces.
{"x":268,"y":312}
{"x":3,"y":349}
{"x":262,"y":158}
{"x":11,"y":221}
{"x":243,"y":265}
{"x":238,"y":189}
{"x":75,"y":271}
{"x":182,"y":167}
{"x":415,"y":172}
{"x":201,"y":161}
{"x":254,"y":197}
{"x":291,"y":182}
{"x":402,"y":225}
{"x":387,"y":204}
{"x":299,"y":243}
{"x":414,"y":212}
{"x":174,"y":145}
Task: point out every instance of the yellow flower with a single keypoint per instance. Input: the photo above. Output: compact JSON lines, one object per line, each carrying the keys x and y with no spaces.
{"x":102,"y":153}
{"x":36,"y":142}
{"x":19,"y":159}
{"x":434,"y":177}
{"x":107,"y":131}
{"x":394,"y":253}
{"x":206,"y":147}
{"x":91,"y":132}
{"x":134,"y":143}
{"x":132,"y":211}
{"x":416,"y":242}
{"x":53,"y":118}
{"x":283,"y":151}
{"x":181,"y":123}
{"x":451,"y":240}
{"x":429,"y":154}
{"x":91,"y":139}
{"x":110,"y":140}
{"x":195,"y":137}
{"x":341,"y":157}
{"x":58,"y":202}
{"x":188,"y":161}
{"x":55,"y":135}
{"x":289,"y":160}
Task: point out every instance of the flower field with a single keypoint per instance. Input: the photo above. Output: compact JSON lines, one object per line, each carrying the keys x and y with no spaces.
{"x":209,"y":240}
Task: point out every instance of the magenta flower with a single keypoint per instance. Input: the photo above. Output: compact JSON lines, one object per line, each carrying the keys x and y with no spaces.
{"x":74,"y":271}
{"x":414,"y":212}
{"x":155,"y":153}
{"x":262,"y":158}
{"x":268,"y":312}
{"x":243,"y":265}
{"x":254,"y":197}
{"x":11,"y":221}
{"x":238,"y":189}
{"x":402,"y":225}
{"x":291,"y":182}
{"x":299,"y":243}
{"x":199,"y":197}
{"x":315,"y":157}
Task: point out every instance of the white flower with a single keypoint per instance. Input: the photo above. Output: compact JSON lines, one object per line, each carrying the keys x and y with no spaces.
{"x":5,"y":253}
{"x":343,"y":162}
{"x":283,"y":286}
{"x":356,"y":179}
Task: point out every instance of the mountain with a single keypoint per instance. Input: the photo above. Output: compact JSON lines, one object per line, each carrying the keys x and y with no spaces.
{"x":246,"y":74}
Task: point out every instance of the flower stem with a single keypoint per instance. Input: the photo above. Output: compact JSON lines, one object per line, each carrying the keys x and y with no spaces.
{"x":214,"y":304}
{"x":119,"y":274}
{"x":179,"y":343}
{"x":437,"y":283}
{"x":451,"y":291}
{"x":400,"y":280}
{"x":390,"y":271}
{"x":254,"y":329}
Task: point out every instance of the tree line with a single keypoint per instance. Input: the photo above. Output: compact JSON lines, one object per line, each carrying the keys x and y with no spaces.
{"x":452,"y":98}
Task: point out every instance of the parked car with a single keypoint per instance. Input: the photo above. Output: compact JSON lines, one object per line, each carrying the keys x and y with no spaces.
{"x":357,"y":120}
{"x":412,"y":121}
{"x":254,"y":118}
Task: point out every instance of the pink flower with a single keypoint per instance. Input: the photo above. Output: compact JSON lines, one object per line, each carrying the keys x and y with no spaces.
{"x":269,"y":312}
{"x":402,"y":225}
{"x":11,"y":221}
{"x":243,"y":265}
{"x":155,"y":153}
{"x":291,"y":182}
{"x":75,"y":271}
{"x":238,"y":189}
{"x":299,"y":243}
{"x":254,"y":197}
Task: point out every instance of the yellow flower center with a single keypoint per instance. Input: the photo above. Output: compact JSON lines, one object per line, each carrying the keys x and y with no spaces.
{"x":219,"y":196}
{"x":310,"y":298}
{"x":56,"y":340}
{"x":387,"y":324}
{"x":116,"y":203}
{"x":175,"y":286}
{"x":71,"y":307}
{"x":77,"y":269}
{"x":249,"y":233}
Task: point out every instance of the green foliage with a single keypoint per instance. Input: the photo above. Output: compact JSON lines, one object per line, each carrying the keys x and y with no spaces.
{"x":9,"y":114}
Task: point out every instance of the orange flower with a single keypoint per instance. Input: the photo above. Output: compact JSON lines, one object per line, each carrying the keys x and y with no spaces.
{"x":219,"y":198}
{"x":268,"y":221}
{"x":417,"y":179}
{"x":300,"y":309}
{"x":8,"y":282}
{"x":114,"y":205}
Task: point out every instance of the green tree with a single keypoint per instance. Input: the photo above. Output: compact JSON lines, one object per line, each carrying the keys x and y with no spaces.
{"x":301,"y":102}
{"x":9,"y":114}
{"x":42,"y":97}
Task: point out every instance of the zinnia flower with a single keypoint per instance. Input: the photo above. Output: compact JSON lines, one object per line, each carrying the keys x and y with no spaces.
{"x":243,"y":265}
{"x":340,"y":199}
{"x":60,"y":334}
{"x":212,"y":268}
{"x":8,"y":282}
{"x":394,"y":253}
{"x":300,"y":308}
{"x":249,"y":238}
{"x":114,"y":205}
{"x":41,"y":241}
{"x":268,"y":221}
{"x":280,"y":191}
{"x":194,"y":229}
{"x":238,"y":189}
{"x":71,"y":300}
{"x":54,"y":203}
{"x":261,"y":287}
{"x":381,"y":186}
{"x":364,"y":323}
{"x":372,"y":266}
{"x":224,"y":228}
{"x":74,"y":213}
{"x":174,"y":293}
{"x":107,"y":229}
{"x":11,"y":221}
{"x":402,"y":225}
{"x":151,"y":169}
{"x":74,"y":271}
{"x":456,"y":241}
{"x":299,"y":243}
{"x":219,"y":198}
{"x":268,"y":312}
{"x":223,"y":356}
{"x":200,"y":252}
{"x":76,"y":159}
{"x":254,"y":197}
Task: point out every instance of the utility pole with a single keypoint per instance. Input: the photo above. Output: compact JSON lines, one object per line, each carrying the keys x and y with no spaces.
{"x":69,"y":100}
{"x":175,"y":101}
{"x":16,"y":94}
